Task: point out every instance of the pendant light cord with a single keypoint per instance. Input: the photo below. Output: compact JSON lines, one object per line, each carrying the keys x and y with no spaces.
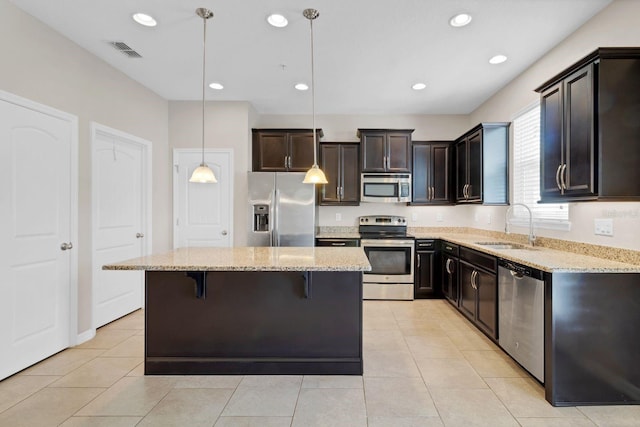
{"x":313,"y":100}
{"x":204,"y":61}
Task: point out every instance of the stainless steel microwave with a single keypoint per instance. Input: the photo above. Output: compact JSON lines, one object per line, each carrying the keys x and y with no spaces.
{"x":385,"y":187}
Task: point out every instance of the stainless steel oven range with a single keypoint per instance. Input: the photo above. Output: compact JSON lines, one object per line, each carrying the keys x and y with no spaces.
{"x":391,"y":255}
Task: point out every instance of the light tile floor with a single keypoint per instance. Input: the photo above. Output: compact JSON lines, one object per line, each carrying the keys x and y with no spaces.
{"x":424,"y":365}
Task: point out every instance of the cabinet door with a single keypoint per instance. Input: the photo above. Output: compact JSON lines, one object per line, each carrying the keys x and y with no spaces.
{"x":468,"y":297}
{"x":449,"y":274}
{"x":301,"y":151}
{"x":421,"y":173}
{"x":579,"y":176}
{"x":424,"y":280}
{"x":474,"y":190}
{"x":440,"y":173}
{"x":373,"y":151}
{"x":398,"y":152}
{"x":487,"y":308}
{"x":551,"y":141}
{"x":350,"y":174}
{"x":330,"y":165}
{"x":270,"y":151}
{"x":461,"y":170}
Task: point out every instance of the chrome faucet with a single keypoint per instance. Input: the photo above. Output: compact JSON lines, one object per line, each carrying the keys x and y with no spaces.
{"x":532,"y":237}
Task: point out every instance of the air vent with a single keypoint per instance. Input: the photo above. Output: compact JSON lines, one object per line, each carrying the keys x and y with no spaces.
{"x":124,"y":48}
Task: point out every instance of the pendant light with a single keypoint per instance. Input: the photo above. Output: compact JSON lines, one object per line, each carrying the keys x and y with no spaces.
{"x":315,"y":174}
{"x":203,"y":173}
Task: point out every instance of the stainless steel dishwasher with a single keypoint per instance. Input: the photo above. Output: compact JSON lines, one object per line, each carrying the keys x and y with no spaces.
{"x":521,"y":315}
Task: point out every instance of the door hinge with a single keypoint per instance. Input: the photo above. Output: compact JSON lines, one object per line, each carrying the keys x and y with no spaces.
{"x":177,"y":168}
{"x":177,"y":221}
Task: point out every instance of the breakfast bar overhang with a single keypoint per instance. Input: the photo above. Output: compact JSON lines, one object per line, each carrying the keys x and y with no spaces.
{"x":253,"y":310}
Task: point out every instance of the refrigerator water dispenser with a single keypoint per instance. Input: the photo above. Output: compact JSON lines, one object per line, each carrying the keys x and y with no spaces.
{"x":260,"y":218}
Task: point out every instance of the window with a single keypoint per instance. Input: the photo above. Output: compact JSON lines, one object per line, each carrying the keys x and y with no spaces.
{"x":526,"y":174}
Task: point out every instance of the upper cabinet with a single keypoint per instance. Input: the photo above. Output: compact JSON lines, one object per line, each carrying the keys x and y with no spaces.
{"x":481,"y":165}
{"x":432,"y":177}
{"x":340,"y":161}
{"x":590,"y":129}
{"x":384,"y":150}
{"x":283,"y":150}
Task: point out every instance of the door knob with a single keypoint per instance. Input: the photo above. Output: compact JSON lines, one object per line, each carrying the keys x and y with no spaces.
{"x":224,"y":232}
{"x":65,"y":246}
{"x":139,"y":235}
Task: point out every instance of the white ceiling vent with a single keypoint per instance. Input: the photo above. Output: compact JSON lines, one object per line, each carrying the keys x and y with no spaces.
{"x":124,"y":48}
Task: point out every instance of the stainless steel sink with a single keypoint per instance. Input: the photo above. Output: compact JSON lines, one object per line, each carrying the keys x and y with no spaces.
{"x":505,"y":245}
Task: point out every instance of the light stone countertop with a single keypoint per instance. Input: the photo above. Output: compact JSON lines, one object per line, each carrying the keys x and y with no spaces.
{"x":545,"y":259}
{"x":251,"y":259}
{"x":542,"y":258}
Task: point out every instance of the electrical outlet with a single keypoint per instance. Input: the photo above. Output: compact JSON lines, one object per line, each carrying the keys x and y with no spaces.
{"x":489,"y":219}
{"x":603,"y":226}
{"x":476,"y":217}
{"x":414,"y":216}
{"x":439,"y":217}
{"x":338,"y":217}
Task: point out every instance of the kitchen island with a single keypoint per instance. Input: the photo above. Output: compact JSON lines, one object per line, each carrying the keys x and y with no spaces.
{"x":253,"y":310}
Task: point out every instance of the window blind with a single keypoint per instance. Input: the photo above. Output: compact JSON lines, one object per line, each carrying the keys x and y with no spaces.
{"x":526,"y":170}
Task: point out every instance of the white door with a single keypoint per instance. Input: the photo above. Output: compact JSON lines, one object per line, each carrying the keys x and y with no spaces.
{"x":38,"y":147}
{"x":202,"y":213}
{"x":120,"y":177}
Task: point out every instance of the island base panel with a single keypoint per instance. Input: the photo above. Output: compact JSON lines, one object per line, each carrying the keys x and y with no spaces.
{"x":253,"y":323}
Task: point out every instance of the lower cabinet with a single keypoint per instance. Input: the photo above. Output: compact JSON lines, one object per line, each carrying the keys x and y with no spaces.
{"x":449,"y":271}
{"x":479,"y":290}
{"x":426,"y":284}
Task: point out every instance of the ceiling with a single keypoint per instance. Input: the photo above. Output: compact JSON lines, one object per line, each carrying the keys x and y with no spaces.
{"x":368,"y":53}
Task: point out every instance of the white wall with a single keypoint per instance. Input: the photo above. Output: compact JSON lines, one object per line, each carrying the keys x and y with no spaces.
{"x":616,"y":25}
{"x":40,"y":64}
{"x":226,"y":126}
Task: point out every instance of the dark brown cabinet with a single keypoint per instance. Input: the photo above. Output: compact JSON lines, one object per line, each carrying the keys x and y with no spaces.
{"x":384,"y":150}
{"x":432,"y":166}
{"x":479,"y":290}
{"x":449,"y":271}
{"x":587,"y":129}
{"x":426,"y":277}
{"x":340,"y":163}
{"x":482,"y":156}
{"x":283,"y":150}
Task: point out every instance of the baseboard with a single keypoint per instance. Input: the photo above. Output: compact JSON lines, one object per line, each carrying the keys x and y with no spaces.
{"x":85,"y":336}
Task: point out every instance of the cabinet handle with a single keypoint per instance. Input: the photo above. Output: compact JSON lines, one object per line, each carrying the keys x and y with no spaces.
{"x":558,"y":177}
{"x":285,"y":161}
{"x":338,"y":191}
{"x":468,"y":190}
{"x":418,"y":261}
{"x":448,"y":266}
{"x":341,"y":192}
{"x":563,"y":176}
{"x":474,"y":277}
{"x":338,"y":243}
{"x":289,"y":162}
{"x":464,"y":191}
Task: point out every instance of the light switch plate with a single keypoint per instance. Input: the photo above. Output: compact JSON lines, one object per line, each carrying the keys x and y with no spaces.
{"x":338,"y":217}
{"x":439,"y":217}
{"x":603,"y":226}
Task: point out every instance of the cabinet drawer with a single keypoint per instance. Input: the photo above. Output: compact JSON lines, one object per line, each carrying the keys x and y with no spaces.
{"x":337,"y":242}
{"x":479,"y":259}
{"x":450,"y":248}
{"x":425,"y":245}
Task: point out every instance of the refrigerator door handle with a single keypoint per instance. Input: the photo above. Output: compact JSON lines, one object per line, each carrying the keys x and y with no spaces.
{"x":276,"y":237}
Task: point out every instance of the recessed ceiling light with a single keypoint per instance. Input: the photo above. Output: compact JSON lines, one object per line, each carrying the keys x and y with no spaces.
{"x":460,"y":20}
{"x":144,"y":19}
{"x":216,"y":86}
{"x":418,"y":86}
{"x":301,"y":86}
{"x":498,"y":59}
{"x":277,"y":20}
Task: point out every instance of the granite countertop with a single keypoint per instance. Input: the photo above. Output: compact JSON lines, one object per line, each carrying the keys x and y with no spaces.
{"x":251,"y":259}
{"x":542,"y":258}
{"x":545,"y":259}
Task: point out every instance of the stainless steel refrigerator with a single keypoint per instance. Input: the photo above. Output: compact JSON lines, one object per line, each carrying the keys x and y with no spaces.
{"x":281,"y":209}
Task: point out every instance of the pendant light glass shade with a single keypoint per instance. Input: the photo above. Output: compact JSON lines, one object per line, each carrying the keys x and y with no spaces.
{"x":203,"y":173}
{"x":315,"y":174}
